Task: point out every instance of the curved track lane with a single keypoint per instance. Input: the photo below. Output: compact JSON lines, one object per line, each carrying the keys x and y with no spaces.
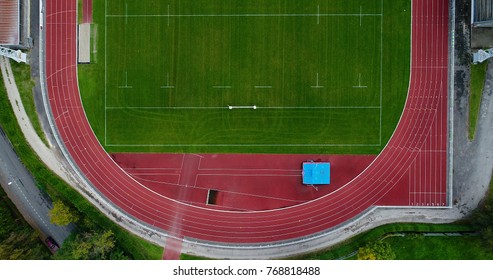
{"x":414,"y":155}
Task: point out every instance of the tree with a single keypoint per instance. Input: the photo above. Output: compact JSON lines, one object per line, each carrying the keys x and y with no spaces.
{"x":62,"y":215}
{"x":379,"y":250}
{"x":482,"y":219}
{"x":23,"y":245}
{"x":91,"y":245}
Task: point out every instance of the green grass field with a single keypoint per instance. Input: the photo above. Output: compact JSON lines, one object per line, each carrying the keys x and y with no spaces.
{"x":324,"y":76}
{"x":478,"y":76}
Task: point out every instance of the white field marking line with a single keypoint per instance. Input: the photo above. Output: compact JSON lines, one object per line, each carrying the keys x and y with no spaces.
{"x":242,"y":107}
{"x":126,"y":13}
{"x":181,"y":168}
{"x":251,"y":175}
{"x":430,"y":67}
{"x":222,"y":87}
{"x":359,"y":83}
{"x":318,"y":14}
{"x":126,"y":82}
{"x":258,"y":107}
{"x":360,"y":13}
{"x":167,"y":83}
{"x":244,"y":145}
{"x":198,"y":168}
{"x":249,"y":169}
{"x":317,"y":85}
{"x":429,"y":192}
{"x":149,"y":174}
{"x":151,"y":168}
{"x":168,"y":14}
{"x":252,"y":15}
{"x":381,"y":70}
{"x":260,"y":87}
{"x":65,"y":112}
{"x":105,"y":74}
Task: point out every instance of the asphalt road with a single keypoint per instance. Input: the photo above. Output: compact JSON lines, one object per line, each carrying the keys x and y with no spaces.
{"x":21,"y":188}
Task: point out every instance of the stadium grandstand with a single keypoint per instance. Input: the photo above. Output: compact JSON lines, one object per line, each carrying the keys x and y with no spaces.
{"x":482,"y":13}
{"x":9,"y":22}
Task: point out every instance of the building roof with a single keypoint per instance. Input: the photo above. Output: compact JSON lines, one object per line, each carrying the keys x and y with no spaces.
{"x":9,"y":22}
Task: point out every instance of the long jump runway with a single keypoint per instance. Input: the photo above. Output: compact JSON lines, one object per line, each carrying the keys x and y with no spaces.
{"x":410,"y":171}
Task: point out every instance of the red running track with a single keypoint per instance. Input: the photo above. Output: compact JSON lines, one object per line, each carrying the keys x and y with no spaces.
{"x":410,"y":171}
{"x":87,"y":11}
{"x":243,"y":182}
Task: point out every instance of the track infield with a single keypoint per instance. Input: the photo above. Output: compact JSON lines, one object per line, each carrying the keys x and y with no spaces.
{"x":248,"y":76}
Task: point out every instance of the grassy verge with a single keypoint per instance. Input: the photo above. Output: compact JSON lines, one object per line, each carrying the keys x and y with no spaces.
{"x":452,"y":247}
{"x":346,"y":248}
{"x":439,"y":248}
{"x":58,"y":189}
{"x":424,"y":249}
{"x":478,"y":76}
{"x":25,"y":85}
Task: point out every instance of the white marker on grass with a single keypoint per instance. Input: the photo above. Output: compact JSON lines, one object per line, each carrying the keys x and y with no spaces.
{"x":254,"y":107}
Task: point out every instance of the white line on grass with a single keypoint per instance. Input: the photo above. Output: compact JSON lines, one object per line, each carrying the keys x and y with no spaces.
{"x":242,"y":107}
{"x":263,"y":86}
{"x":126,"y":82}
{"x":381,"y":70}
{"x":359,"y":83}
{"x":126,"y":13}
{"x":360,"y":13}
{"x":227,"y":107}
{"x":253,"y":15}
{"x":243,"y":145}
{"x":167,"y":83}
{"x":317,"y":85}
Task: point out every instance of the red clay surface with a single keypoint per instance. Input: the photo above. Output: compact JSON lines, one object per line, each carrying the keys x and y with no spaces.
{"x":410,"y":171}
{"x":87,"y":11}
